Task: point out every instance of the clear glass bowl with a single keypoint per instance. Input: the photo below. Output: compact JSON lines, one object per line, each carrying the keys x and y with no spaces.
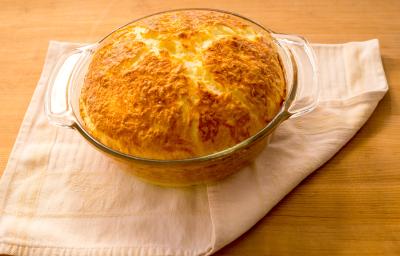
{"x":299,"y":64}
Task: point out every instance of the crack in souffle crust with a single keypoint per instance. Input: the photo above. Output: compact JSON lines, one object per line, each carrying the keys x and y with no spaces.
{"x":181,"y":85}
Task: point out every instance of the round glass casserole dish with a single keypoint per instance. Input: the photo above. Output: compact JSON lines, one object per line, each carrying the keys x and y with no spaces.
{"x":298,"y":63}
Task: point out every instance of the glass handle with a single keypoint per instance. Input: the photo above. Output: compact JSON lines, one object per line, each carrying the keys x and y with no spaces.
{"x":305,"y":74}
{"x":57,"y":106}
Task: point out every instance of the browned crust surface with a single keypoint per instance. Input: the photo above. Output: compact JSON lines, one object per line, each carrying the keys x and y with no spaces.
{"x":181,"y":85}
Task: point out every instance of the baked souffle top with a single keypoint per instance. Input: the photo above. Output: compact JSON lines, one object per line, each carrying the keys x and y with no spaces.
{"x":181,"y":85}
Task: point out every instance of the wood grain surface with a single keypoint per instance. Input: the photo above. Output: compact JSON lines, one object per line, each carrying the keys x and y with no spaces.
{"x":350,"y":206}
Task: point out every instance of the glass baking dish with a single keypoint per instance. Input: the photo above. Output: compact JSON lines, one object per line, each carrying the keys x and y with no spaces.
{"x":299,"y":64}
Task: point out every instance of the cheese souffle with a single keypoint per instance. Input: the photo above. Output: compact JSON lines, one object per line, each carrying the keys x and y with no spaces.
{"x":181,"y":85}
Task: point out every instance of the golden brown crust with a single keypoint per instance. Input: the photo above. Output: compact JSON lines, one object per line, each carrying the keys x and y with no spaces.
{"x":181,"y":85}
{"x":251,"y":70}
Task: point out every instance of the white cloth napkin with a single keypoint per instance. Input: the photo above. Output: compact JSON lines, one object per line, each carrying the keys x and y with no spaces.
{"x":59,"y":196}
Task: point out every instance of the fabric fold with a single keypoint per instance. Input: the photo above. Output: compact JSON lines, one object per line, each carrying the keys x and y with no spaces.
{"x":352,"y":83}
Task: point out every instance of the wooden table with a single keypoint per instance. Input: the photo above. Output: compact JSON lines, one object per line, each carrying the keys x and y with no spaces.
{"x":350,"y":206}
